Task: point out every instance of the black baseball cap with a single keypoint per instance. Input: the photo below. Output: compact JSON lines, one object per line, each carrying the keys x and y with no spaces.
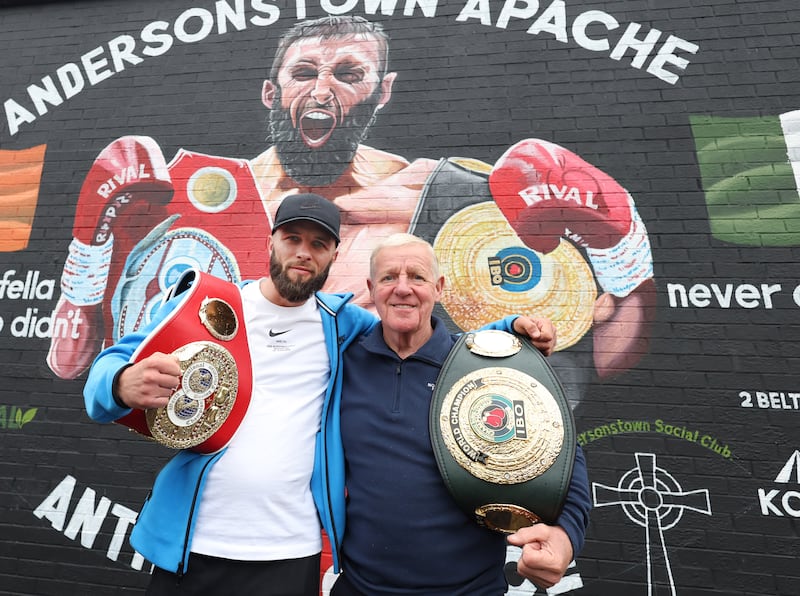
{"x":309,"y":207}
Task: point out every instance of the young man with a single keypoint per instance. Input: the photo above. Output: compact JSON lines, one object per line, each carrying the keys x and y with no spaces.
{"x":246,"y":519}
{"x":241,"y":520}
{"x":405,"y":535}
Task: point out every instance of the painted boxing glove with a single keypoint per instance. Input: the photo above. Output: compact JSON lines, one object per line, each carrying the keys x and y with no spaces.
{"x":547,"y":192}
{"x":130,"y":174}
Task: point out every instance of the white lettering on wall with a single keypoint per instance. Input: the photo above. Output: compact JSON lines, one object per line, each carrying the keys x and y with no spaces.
{"x":88,"y":517}
{"x":660,"y":55}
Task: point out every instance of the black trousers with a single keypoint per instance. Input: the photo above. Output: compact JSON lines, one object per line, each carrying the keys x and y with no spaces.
{"x":211,"y":576}
{"x":343,"y":587}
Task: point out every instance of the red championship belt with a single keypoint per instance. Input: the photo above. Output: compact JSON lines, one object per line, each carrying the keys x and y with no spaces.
{"x":206,"y":332}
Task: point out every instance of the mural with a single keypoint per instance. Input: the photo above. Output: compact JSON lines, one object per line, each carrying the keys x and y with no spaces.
{"x":605,"y":165}
{"x":652,"y":498}
{"x":140,"y":222}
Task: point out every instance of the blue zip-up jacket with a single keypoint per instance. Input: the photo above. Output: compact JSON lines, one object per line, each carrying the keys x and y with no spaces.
{"x":164,"y":528}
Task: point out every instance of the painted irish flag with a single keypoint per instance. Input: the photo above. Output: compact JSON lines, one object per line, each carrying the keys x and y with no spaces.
{"x":20,"y":176}
{"x":750,"y":170}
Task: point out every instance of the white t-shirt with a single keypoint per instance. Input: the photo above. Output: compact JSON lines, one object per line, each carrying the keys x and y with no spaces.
{"x":257,"y":503}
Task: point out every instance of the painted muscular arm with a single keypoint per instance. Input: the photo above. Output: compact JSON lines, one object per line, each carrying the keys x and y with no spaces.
{"x":622,"y":327}
{"x":129,"y":175}
{"x":547,"y":193}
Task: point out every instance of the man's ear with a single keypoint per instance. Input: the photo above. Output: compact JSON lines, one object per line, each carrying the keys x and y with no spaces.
{"x":439,"y":287}
{"x":268,"y":93}
{"x":386,"y":88}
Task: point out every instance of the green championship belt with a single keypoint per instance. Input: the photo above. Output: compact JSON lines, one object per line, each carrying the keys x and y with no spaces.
{"x":502,"y":431}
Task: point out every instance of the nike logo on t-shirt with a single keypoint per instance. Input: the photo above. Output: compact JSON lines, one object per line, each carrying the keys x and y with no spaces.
{"x":276,"y":333}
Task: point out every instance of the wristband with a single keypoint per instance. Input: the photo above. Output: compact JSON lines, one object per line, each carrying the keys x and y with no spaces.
{"x":621,"y":268}
{"x":85,"y":275}
{"x":115,"y":387}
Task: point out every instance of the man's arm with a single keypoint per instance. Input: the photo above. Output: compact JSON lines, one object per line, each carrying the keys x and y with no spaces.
{"x":110,"y":391}
{"x":541,"y":331}
{"x":355,"y":321}
{"x":546,"y":553}
{"x":548,"y":550}
{"x":149,"y":383}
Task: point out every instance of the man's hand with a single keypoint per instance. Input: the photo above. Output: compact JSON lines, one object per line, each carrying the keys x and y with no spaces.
{"x":546,"y":553}
{"x":149,"y":383}
{"x":541,"y":331}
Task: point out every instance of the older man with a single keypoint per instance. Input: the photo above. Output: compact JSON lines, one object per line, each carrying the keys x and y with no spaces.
{"x":405,"y":534}
{"x":246,"y":519}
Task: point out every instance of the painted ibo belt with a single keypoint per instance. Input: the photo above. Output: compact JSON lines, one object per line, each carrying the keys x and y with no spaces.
{"x":490,"y":271}
{"x":502,"y":431}
{"x":156,"y":263}
{"x":206,"y":332}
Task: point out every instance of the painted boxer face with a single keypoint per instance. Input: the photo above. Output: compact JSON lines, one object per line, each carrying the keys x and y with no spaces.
{"x":326,"y":96}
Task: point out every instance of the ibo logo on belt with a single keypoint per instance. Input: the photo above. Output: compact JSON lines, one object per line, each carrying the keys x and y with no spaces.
{"x":485,"y":421}
{"x":497,"y":419}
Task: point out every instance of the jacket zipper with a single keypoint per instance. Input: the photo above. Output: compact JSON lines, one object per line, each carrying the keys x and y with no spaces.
{"x":183,"y":563}
{"x":334,"y":539}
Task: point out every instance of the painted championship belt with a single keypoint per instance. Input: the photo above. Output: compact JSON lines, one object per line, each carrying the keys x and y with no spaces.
{"x":502,"y":431}
{"x":206,"y":332}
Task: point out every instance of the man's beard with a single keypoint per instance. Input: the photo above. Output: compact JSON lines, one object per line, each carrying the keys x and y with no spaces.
{"x":320,"y":167}
{"x":295,"y":291}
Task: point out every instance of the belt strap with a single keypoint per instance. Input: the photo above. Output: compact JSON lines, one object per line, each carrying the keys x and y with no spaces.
{"x":502,"y":431}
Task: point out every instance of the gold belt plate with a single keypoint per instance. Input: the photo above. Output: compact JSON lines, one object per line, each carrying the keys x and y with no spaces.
{"x":203,"y":400}
{"x":501,"y":425}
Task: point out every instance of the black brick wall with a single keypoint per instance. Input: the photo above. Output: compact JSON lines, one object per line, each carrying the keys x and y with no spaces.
{"x":700,"y":393}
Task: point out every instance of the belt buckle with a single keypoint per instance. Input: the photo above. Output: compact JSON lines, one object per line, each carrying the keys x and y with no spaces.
{"x":505,"y":517}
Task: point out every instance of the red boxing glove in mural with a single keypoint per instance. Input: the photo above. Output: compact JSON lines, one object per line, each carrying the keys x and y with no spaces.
{"x":127,"y":175}
{"x":547,"y":193}
{"x":140,"y":222}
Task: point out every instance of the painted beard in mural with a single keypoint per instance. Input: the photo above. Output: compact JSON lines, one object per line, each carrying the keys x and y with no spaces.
{"x":322,"y":166}
{"x":295,"y":291}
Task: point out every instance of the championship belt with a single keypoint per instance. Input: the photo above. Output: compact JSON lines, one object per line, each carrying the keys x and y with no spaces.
{"x":502,"y":432}
{"x":206,"y":332}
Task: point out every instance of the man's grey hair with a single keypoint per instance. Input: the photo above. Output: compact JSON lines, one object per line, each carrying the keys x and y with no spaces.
{"x":403,"y":239}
